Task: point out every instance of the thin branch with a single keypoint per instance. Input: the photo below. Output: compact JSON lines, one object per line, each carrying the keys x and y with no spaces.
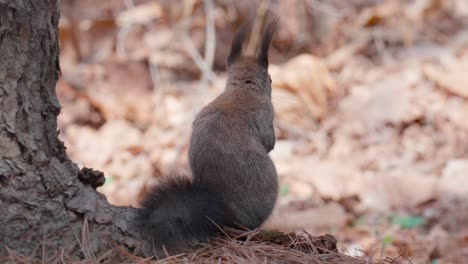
{"x":303,"y":21}
{"x":204,"y":67}
{"x":257,"y":28}
{"x":196,"y":57}
{"x":210,"y":42}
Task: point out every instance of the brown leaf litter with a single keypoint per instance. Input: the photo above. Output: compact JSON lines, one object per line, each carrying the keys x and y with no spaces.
{"x":270,"y":247}
{"x":235,"y":246}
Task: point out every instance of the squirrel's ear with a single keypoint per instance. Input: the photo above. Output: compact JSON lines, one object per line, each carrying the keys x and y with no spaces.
{"x":236,"y":45}
{"x":266,"y":40}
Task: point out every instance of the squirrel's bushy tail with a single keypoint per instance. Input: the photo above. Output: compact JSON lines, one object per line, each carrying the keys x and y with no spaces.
{"x":178,"y":213}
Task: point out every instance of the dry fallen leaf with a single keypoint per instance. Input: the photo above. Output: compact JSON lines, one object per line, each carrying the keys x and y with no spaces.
{"x":454,"y":177}
{"x":141,"y":14}
{"x":98,"y":147}
{"x":393,"y":190}
{"x":332,"y":179}
{"x":388,"y":101}
{"x":307,"y":77}
{"x":450,"y":76}
{"x":327,"y":216}
{"x":340,"y":56}
{"x":375,"y":15}
{"x":457,"y":111}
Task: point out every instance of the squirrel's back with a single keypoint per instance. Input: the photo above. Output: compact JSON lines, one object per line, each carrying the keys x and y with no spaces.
{"x":227,"y":152}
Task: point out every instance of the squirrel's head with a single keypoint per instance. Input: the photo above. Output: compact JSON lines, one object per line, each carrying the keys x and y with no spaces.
{"x":250,"y":71}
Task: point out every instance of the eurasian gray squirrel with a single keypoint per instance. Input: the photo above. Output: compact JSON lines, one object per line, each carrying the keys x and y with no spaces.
{"x":234,"y":181}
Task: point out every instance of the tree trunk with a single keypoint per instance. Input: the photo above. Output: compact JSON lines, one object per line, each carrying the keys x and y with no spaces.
{"x":42,"y":201}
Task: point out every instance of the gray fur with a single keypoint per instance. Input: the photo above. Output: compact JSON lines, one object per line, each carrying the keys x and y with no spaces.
{"x":234,"y":180}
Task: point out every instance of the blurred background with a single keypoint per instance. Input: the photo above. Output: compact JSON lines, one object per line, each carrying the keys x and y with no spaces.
{"x":371,"y":102}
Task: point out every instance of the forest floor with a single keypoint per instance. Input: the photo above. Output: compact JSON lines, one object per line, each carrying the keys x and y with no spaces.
{"x":371,"y":102}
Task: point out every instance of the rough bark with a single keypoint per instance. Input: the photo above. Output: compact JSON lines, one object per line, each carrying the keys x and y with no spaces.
{"x":42,"y":201}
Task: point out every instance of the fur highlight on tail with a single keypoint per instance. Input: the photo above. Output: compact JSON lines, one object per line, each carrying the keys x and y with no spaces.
{"x":177,"y":214}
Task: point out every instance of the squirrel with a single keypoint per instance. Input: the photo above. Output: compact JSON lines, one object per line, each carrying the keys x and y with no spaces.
{"x":234,"y":182}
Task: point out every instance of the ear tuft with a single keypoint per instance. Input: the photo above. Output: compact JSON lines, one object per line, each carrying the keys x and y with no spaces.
{"x":236,"y":45}
{"x":266,"y":40}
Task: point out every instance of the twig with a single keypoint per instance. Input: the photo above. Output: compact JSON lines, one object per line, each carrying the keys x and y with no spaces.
{"x":204,"y":67}
{"x":302,"y":17}
{"x":123,"y":32}
{"x":62,"y":256}
{"x":43,"y":244}
{"x":196,"y":57}
{"x":231,"y":10}
{"x":86,"y":243}
{"x":120,"y":42}
{"x":257,"y":28}
{"x":184,"y":137}
{"x":210,"y":42}
{"x":68,"y":14}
